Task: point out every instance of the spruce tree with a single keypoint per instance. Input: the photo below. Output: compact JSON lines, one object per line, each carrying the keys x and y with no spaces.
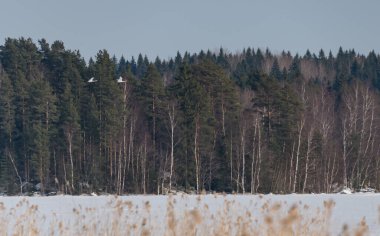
{"x":108,"y":98}
{"x":41,"y":116}
{"x":8,"y":166}
{"x":275,"y":71}
{"x":152,"y":100}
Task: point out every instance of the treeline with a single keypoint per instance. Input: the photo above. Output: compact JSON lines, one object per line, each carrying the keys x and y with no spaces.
{"x":211,"y":121}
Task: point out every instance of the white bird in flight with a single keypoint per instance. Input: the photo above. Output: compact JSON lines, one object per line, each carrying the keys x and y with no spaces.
{"x":120,"y":80}
{"x":92,"y":80}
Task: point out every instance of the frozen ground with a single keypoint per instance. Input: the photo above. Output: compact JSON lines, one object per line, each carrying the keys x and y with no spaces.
{"x":199,"y":214}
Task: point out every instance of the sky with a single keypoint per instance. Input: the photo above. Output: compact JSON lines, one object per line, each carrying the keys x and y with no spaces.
{"x":161,"y":28}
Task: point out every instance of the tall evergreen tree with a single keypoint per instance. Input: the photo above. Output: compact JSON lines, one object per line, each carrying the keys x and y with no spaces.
{"x":152,"y":98}
{"x":275,"y":71}
{"x":41,"y":116}
{"x":7,"y":126}
{"x":108,"y":98}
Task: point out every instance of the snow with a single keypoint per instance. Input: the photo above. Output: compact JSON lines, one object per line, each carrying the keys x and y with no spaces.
{"x":102,"y":212}
{"x":346,"y":191}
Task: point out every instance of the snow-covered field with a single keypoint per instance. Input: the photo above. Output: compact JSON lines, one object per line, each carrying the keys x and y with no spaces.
{"x":296,"y":214}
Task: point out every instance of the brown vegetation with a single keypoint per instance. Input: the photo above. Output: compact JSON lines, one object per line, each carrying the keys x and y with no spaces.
{"x":124,"y":218}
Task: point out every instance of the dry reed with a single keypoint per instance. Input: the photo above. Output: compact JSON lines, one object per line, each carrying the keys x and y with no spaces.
{"x":125,"y":218}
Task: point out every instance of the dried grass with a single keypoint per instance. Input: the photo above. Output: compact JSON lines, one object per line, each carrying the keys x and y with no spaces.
{"x":125,"y":218}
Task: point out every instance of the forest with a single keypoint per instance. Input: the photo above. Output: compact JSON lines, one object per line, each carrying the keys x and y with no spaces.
{"x":214,"y":121}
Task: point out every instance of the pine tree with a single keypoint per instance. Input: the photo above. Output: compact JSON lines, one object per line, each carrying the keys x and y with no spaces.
{"x":108,"y":98}
{"x":152,"y":98}
{"x":195,"y":87}
{"x":41,"y":116}
{"x":71,"y":130}
{"x":7,"y":124}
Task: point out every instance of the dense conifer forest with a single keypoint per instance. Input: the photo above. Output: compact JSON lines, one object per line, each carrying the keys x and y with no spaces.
{"x":246,"y":122}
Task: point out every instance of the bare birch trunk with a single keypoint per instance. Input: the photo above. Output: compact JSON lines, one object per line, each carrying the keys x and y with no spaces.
{"x":291,"y":168}
{"x":243,"y":159}
{"x":258,"y":158}
{"x":130,"y":148}
{"x":70,"y":139}
{"x":344,"y":154}
{"x":300,"y":128}
{"x":15,"y":168}
{"x":143,"y":166}
{"x":65,"y":175}
{"x":171,"y":114}
{"x":309,"y":139}
{"x":231,"y":163}
{"x":196,"y":154}
{"x":253,"y":159}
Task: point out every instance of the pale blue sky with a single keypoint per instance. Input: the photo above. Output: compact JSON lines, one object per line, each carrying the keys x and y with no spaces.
{"x":163,"y":27}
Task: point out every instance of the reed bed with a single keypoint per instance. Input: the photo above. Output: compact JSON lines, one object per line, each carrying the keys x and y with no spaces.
{"x":123,"y":217}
